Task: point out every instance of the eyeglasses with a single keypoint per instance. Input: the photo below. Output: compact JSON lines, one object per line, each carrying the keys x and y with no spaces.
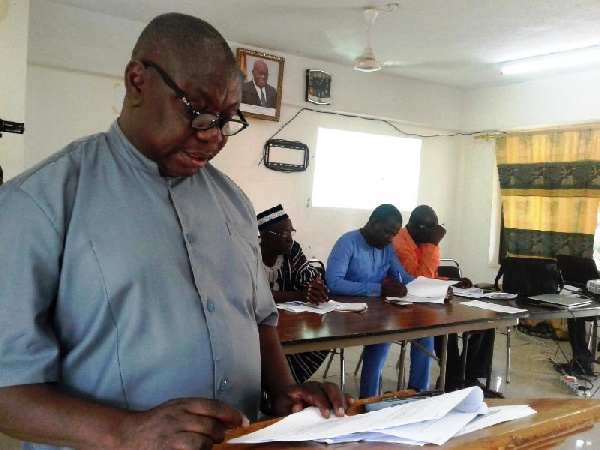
{"x":282,"y":234}
{"x":201,"y":120}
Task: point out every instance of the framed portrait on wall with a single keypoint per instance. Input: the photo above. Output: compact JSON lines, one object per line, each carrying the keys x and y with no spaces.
{"x":262,"y":87}
{"x":318,"y":87}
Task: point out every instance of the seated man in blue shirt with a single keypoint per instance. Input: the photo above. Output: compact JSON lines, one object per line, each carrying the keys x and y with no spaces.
{"x":358,"y":264}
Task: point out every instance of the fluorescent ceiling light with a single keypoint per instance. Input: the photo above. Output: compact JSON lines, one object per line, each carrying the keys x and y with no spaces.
{"x":572,"y":58}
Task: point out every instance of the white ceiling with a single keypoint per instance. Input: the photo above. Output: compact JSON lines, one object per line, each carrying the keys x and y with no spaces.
{"x":451,"y":42}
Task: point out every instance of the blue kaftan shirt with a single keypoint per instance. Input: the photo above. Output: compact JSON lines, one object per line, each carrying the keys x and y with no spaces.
{"x":129,"y":288}
{"x":356,"y":268}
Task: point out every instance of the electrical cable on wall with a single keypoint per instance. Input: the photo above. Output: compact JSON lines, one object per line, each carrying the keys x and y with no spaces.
{"x":424,"y":136}
{"x":7,"y":126}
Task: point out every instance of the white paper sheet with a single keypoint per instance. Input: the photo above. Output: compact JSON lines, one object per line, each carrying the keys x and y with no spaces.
{"x":478,"y":293}
{"x":424,"y":290}
{"x":493,"y":307}
{"x":322,"y":308}
{"x":400,"y":301}
{"x":468,"y":292}
{"x":433,"y":420}
{"x":497,"y":414}
{"x":310,"y":425}
{"x":429,"y":287}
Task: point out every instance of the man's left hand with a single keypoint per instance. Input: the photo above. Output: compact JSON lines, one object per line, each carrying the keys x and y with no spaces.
{"x":464,"y":283}
{"x":325,"y":396}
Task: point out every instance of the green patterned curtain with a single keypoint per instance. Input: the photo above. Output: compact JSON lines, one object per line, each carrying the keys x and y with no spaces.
{"x":550,"y":187}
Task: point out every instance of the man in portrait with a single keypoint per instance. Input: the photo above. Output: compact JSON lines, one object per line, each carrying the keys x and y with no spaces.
{"x":257,"y":91}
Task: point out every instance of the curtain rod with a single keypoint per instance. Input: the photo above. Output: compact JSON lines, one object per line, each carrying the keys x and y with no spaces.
{"x":573,"y":127}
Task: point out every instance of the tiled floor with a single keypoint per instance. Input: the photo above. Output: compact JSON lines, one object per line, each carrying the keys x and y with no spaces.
{"x":531,"y":376}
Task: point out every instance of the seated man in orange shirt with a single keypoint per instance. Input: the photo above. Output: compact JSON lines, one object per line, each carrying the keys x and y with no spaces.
{"x":417,"y":248}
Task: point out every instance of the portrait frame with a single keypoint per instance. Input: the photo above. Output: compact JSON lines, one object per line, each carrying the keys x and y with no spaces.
{"x":251,"y":103}
{"x":318,"y":87}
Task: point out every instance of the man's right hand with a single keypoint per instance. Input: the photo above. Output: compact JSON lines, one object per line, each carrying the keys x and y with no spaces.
{"x":393,"y":289}
{"x":436,"y":234}
{"x":180,"y":424}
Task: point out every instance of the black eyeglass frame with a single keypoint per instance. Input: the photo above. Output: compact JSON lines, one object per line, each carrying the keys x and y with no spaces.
{"x":283,"y":234}
{"x":219,"y":121}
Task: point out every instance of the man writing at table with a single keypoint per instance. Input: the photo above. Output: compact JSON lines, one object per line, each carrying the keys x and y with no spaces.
{"x":134,"y":313}
{"x":417,"y":247}
{"x":357,"y":265}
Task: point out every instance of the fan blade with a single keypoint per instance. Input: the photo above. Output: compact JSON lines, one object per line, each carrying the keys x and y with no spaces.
{"x":433,"y":65}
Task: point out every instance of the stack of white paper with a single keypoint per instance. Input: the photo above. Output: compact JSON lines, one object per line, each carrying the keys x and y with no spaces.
{"x":425,"y":290}
{"x":322,"y":308}
{"x":478,"y":293}
{"x":432,"y":420}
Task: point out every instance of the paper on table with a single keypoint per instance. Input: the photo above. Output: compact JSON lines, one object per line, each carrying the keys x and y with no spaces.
{"x":322,"y":308}
{"x":347,"y":307}
{"x":500,"y":295}
{"x":415,"y":299}
{"x":310,"y":425}
{"x":498,"y":414}
{"x":297,"y":307}
{"x":468,"y":292}
{"x":373,"y":436}
{"x":397,"y":301}
{"x":493,"y":307}
{"x":429,"y":287}
{"x":478,"y":293}
{"x":433,"y":431}
{"x":424,"y":290}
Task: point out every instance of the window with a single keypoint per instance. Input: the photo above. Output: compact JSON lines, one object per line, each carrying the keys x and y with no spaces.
{"x":363,"y":170}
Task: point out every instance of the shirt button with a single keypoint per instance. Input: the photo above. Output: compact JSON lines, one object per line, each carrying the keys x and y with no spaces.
{"x":211,"y":306}
{"x":189,"y":238}
{"x":224,"y":384}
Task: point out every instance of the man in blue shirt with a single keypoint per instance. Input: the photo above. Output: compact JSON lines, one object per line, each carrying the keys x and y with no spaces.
{"x":358,"y":264}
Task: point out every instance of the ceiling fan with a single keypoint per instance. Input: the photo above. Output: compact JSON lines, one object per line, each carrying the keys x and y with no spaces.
{"x":367,"y":62}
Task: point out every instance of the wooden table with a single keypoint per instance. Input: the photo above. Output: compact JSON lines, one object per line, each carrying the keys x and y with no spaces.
{"x":556,"y":419}
{"x":384,"y":322}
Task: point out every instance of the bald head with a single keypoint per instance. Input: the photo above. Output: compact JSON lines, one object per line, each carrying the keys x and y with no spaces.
{"x":260,"y":73}
{"x":180,"y":41}
{"x":421,"y":213}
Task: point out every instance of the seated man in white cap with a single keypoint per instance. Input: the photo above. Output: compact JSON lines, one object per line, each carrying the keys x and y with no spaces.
{"x":291,"y":277}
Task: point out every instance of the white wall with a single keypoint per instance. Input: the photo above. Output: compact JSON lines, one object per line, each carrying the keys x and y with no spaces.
{"x":14,"y":18}
{"x":63,"y":106}
{"x":567,"y":99}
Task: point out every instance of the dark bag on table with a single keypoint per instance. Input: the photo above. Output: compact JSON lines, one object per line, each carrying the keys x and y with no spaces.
{"x":529,"y":276}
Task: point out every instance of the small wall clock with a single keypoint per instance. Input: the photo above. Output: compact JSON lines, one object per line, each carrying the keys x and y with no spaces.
{"x":318,"y":87}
